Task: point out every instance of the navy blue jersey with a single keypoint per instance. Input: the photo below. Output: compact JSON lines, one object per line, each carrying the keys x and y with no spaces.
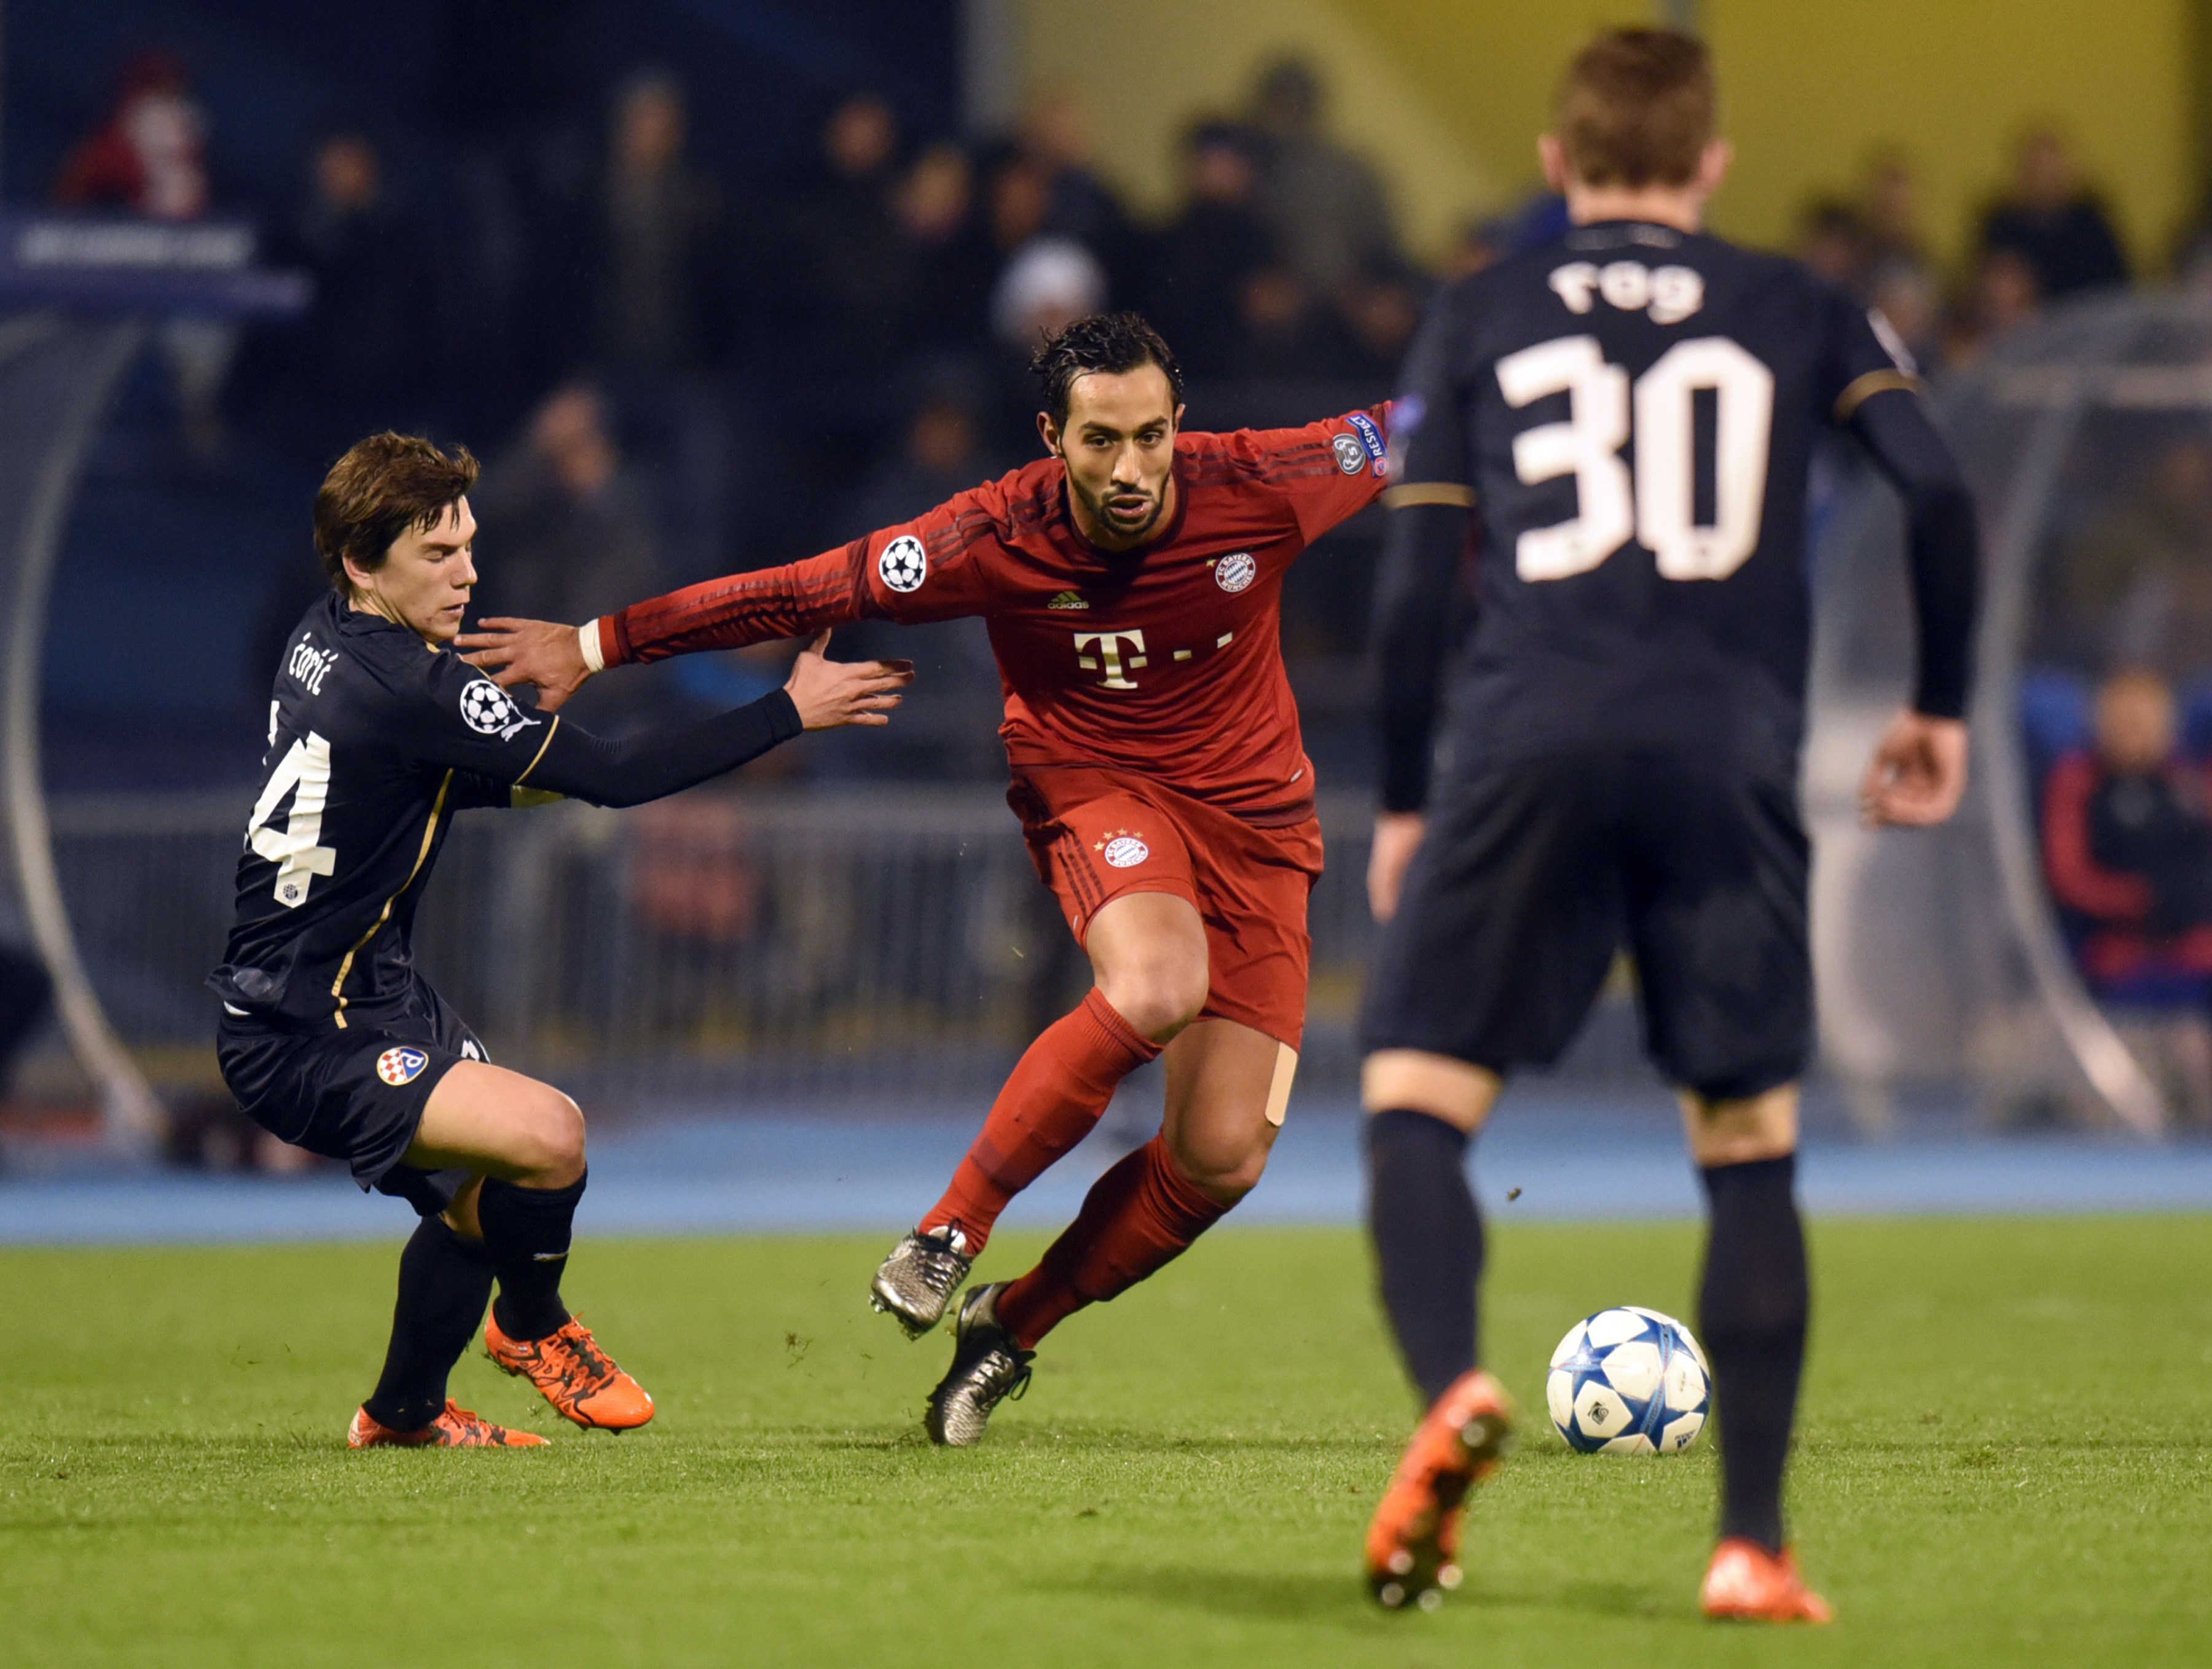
{"x":375,"y":740}
{"x":1632,"y":410}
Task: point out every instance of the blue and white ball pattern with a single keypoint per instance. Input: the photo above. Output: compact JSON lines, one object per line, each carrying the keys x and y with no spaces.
{"x":1629,"y":1382}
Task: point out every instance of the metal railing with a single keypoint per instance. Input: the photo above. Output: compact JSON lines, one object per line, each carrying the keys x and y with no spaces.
{"x":777,"y":943}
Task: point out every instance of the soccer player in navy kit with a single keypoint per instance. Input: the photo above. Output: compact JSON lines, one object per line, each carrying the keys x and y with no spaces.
{"x":1629,"y":412}
{"x":378,"y":733}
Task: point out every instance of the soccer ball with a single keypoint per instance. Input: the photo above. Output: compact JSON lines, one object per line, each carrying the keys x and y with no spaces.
{"x":1629,"y":1382}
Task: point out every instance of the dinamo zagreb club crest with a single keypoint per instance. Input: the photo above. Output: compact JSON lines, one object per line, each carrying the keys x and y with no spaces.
{"x":904,"y":564}
{"x":1235,"y":572}
{"x":401,"y":1065}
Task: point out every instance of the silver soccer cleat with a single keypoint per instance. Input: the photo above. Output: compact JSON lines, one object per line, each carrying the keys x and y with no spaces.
{"x":988,"y":1368}
{"x":919,"y":1278}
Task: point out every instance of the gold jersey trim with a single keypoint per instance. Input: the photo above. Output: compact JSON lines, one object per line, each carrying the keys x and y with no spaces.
{"x":422,"y":857}
{"x":1863,"y":389}
{"x":1428,"y":492}
{"x":539,"y":755}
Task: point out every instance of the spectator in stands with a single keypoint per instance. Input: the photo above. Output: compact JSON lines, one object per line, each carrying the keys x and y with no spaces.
{"x":1049,"y":284}
{"x":950,"y":259}
{"x":2127,"y":839}
{"x":565,"y":516}
{"x":2137,"y":585}
{"x":1201,"y":260}
{"x":1285,"y":332}
{"x":2052,"y":221}
{"x":2127,"y":849}
{"x":149,"y":156}
{"x":841,"y":285}
{"x":656,"y":265}
{"x":1326,"y":205}
{"x":1054,"y":137}
{"x":365,"y":356}
{"x":2001,"y":297}
{"x":1889,"y":213}
{"x":1831,"y":240}
{"x":1480,"y":245}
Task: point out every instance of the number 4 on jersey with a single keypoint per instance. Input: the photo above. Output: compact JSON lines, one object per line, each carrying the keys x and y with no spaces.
{"x":304,"y":773}
{"x":1588,"y":445}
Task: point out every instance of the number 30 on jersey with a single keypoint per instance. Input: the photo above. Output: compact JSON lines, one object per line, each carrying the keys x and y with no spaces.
{"x":1656,"y":507}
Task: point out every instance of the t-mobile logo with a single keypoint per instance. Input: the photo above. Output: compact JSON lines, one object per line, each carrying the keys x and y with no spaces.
{"x":1109,"y":652}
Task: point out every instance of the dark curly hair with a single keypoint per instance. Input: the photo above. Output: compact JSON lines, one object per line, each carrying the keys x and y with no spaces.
{"x":1104,"y":341}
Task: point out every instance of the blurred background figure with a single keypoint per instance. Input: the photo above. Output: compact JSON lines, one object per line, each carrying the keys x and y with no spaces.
{"x":567,"y":522}
{"x":2127,"y":850}
{"x":1326,"y":203}
{"x":149,"y":158}
{"x":1202,"y":259}
{"x":2053,"y":221}
{"x":365,"y":354}
{"x":26,"y":999}
{"x":2138,"y":580}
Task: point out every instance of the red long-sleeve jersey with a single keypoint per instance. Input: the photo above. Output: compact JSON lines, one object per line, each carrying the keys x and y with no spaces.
{"x":1165,"y":660}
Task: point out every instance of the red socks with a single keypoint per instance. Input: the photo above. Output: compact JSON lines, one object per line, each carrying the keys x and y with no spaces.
{"x":1056,"y":1093}
{"x":1134,"y":1220}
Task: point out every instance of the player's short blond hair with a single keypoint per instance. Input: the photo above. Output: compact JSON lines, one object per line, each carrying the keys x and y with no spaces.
{"x":1637,"y":107}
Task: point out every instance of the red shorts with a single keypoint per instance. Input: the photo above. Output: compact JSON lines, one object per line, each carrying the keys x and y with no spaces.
{"x":1095,"y":834}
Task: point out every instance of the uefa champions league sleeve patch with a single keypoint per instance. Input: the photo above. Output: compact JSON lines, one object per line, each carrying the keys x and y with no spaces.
{"x":401,"y":1065}
{"x":904,"y":564}
{"x":1351,"y":456}
{"x":491,"y":711}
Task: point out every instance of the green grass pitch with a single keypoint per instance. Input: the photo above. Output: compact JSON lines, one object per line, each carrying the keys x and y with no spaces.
{"x":2003,"y":1460}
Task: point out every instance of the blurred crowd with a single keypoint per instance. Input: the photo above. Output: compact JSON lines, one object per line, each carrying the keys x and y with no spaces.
{"x":2044,"y":237}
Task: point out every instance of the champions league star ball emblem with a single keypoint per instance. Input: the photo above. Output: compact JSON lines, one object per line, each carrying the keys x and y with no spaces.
{"x":904,"y":564}
{"x":491,"y":711}
{"x":1351,"y":456}
{"x":401,"y":1065}
{"x":1235,"y":572}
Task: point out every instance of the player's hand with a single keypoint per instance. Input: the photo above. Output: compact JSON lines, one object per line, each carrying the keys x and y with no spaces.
{"x":531,"y":652}
{"x":1918,"y":774}
{"x":829,"y":692}
{"x":1397,"y":837}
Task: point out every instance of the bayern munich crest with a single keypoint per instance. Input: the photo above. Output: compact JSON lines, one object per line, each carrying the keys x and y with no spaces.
{"x":1235,"y":572}
{"x":401,"y":1065}
{"x":1126,"y":851}
{"x":904,"y":564}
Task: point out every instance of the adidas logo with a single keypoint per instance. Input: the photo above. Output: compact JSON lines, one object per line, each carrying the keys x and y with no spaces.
{"x":1067,"y":599}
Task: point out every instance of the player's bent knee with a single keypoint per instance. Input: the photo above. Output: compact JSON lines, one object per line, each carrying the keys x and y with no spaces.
{"x":551,"y":1138}
{"x":1415,"y":1081}
{"x":1158,"y":999}
{"x":1226,"y":1172}
{"x":1740,"y":1130}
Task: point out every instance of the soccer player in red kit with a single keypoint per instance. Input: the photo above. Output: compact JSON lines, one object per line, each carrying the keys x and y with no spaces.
{"x":1132,"y":584}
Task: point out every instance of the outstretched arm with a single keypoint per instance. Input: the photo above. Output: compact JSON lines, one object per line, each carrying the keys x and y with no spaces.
{"x":821,"y":694}
{"x":795,"y":600}
{"x":1919,"y":772}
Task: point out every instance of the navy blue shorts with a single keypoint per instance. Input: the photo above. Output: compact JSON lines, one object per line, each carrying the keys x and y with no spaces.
{"x":355,"y":1094}
{"x":1534,"y":874}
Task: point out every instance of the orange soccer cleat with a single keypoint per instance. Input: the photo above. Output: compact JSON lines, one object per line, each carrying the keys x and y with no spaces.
{"x":456,"y":1428}
{"x":1745,"y":1583}
{"x":1413,"y":1546}
{"x":574,"y":1374}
